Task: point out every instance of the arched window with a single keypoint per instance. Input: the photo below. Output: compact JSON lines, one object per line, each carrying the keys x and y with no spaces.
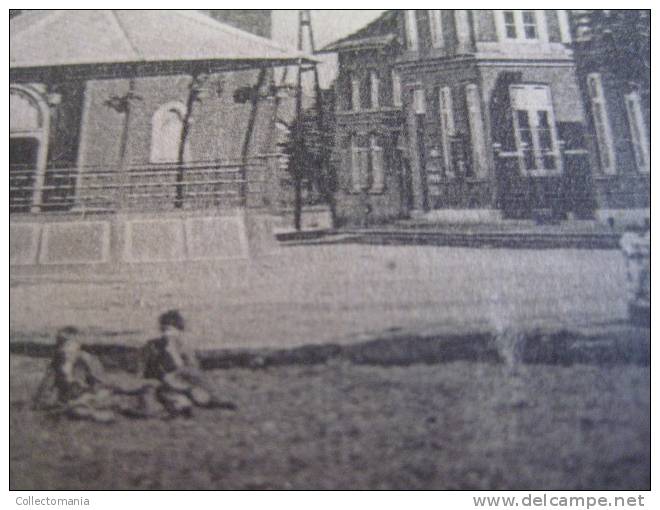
{"x":166,"y":130}
{"x":28,"y":148}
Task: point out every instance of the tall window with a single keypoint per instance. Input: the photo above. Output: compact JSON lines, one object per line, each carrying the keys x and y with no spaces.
{"x":359,"y":163}
{"x":564,"y":26}
{"x":435,"y":25}
{"x":412,"y":38}
{"x":355,"y":93}
{"x":479,"y":163}
{"x":377,"y":165}
{"x":446,"y":126}
{"x":166,"y":131}
{"x":396,"y":88}
{"x":536,"y":135}
{"x":367,"y":164}
{"x":601,"y":124}
{"x":348,"y":97}
{"x":28,"y":148}
{"x":374,"y":81}
{"x":638,"y":136}
{"x":521,"y":25}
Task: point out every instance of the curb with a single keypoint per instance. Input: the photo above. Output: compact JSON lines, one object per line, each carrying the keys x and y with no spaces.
{"x":468,"y":240}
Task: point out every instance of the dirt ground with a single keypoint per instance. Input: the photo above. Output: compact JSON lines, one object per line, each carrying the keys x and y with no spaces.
{"x":460,"y":425}
{"x":334,"y":293}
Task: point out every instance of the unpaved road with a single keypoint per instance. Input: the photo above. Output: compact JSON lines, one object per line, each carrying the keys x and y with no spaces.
{"x":335,"y":293}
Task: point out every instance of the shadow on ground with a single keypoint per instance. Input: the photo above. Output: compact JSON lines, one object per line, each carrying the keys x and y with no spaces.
{"x":616,"y":344}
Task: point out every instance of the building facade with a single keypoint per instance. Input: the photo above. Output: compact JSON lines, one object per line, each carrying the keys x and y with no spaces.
{"x":369,"y":125}
{"x":612,"y":55}
{"x":485,"y":119}
{"x":127,"y":148}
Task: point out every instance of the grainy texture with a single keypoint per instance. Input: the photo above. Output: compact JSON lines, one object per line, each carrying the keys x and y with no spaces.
{"x":340,"y":426}
{"x":336,"y":293}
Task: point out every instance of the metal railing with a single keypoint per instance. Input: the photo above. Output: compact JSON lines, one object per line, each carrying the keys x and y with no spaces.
{"x":148,"y":187}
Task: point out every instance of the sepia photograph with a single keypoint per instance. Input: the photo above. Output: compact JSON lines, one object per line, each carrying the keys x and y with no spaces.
{"x":330,"y":250}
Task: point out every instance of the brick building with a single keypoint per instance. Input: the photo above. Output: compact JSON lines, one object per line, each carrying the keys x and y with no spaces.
{"x":613,"y":59}
{"x":463,"y":115}
{"x":129,"y":145}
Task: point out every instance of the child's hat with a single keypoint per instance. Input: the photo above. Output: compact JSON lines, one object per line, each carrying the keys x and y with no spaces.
{"x":172,"y":318}
{"x":65,"y":333}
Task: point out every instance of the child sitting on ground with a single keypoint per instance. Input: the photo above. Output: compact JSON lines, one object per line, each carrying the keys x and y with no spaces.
{"x":77,"y":385}
{"x":170,"y":360}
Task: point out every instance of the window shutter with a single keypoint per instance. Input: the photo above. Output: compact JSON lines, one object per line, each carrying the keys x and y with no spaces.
{"x":412,"y":37}
{"x":347,"y":86}
{"x":355,"y":93}
{"x":419,"y":101}
{"x":479,"y":163}
{"x":564,"y":26}
{"x":377,"y":166}
{"x":375,"y":89}
{"x":446,"y":125}
{"x":396,"y":88}
{"x":435,"y":24}
{"x":355,"y":165}
{"x":463,"y":35}
{"x":637,"y":131}
{"x":601,"y":124}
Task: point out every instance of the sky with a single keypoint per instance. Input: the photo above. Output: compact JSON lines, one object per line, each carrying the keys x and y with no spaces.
{"x":328,"y":25}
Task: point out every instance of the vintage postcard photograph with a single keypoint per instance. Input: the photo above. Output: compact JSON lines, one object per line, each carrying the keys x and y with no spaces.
{"x":330,"y":250}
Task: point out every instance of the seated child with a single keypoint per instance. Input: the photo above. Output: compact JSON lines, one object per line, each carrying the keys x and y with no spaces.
{"x":170,"y":360}
{"x":77,"y":385}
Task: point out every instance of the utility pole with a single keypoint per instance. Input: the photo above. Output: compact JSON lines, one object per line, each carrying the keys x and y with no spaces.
{"x":304,"y":25}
